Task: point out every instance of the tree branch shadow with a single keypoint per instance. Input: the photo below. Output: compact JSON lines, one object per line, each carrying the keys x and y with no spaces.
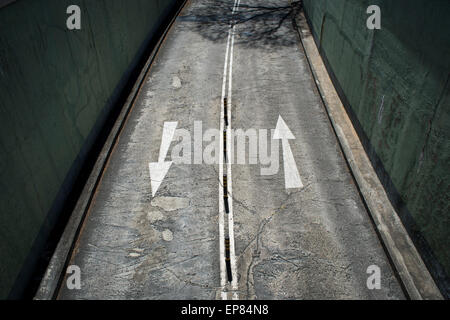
{"x":263,"y":24}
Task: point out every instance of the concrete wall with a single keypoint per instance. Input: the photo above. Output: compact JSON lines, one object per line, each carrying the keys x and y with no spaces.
{"x":56,"y":89}
{"x":395,"y":84}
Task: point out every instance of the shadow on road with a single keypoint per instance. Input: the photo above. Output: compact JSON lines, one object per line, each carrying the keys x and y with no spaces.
{"x":264,"y":24}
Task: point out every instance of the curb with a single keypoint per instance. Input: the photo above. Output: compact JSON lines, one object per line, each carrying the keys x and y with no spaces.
{"x":413,"y":274}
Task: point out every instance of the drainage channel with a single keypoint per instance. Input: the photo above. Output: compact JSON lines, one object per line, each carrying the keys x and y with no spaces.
{"x":229,"y":286}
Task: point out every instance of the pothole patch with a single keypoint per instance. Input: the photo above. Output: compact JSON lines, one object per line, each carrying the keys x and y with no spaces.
{"x":167,"y":235}
{"x":134,"y":254}
{"x":154,"y":216}
{"x":176,"y":82}
{"x":170,"y":203}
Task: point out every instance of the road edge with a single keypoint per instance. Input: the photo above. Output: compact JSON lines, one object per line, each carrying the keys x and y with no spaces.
{"x":54,"y":274}
{"x":414,"y":275}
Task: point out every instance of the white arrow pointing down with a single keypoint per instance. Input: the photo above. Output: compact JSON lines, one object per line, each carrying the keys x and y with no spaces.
{"x":158,"y":170}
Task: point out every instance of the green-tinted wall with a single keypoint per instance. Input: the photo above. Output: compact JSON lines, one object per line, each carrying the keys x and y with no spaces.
{"x":54,"y":86}
{"x":395,"y":81}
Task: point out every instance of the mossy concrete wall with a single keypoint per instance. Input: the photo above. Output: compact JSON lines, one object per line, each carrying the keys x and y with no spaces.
{"x":55,"y":85}
{"x":395,"y":84}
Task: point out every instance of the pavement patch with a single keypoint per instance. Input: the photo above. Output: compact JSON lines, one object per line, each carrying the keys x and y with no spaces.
{"x":170,"y":203}
{"x":167,"y":235}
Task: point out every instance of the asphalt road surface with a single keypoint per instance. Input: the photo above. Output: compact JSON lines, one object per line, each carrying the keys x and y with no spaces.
{"x":290,"y":223}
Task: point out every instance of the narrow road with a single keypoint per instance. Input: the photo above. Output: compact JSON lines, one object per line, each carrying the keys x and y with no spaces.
{"x":244,"y":211}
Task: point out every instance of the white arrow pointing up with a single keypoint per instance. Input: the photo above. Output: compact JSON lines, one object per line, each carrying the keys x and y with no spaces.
{"x":291,"y":176}
{"x":158,"y":170}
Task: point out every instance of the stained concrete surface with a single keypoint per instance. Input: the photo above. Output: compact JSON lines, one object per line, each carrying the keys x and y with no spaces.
{"x":309,"y":243}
